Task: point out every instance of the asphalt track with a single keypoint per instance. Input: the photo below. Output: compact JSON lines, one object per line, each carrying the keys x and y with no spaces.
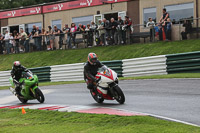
{"x":173,"y":98}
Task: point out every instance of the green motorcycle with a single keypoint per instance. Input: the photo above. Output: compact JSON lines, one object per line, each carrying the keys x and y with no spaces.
{"x":29,"y":88}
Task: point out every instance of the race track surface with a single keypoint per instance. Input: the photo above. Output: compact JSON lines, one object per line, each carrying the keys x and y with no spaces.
{"x":174,"y":98}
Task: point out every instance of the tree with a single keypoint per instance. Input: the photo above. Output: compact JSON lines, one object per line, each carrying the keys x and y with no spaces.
{"x":8,"y":4}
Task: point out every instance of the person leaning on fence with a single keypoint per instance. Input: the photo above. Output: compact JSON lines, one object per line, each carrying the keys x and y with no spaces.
{"x":94,"y":27}
{"x":1,"y":43}
{"x":114,"y":34}
{"x":33,"y":32}
{"x":66,"y":30}
{"x":60,"y":34}
{"x":151,"y":25}
{"x":188,"y":27}
{"x":12,"y":43}
{"x":127,"y":27}
{"x":102,"y":32}
{"x":7,"y":40}
{"x":44,"y":38}
{"x":119,"y":30}
{"x":106,"y":26}
{"x":73,"y":30}
{"x":16,"y":46}
{"x":51,"y":38}
{"x":89,"y":35}
{"x":24,"y":38}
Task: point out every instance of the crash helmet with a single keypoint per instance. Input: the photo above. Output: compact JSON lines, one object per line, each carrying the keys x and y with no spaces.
{"x":92,"y":58}
{"x":16,"y":64}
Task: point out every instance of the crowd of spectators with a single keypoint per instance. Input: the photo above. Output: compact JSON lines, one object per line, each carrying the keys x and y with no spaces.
{"x":106,"y":32}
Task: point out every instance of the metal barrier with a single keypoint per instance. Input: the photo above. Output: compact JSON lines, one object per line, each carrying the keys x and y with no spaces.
{"x":155,"y":65}
{"x":183,"y":63}
{"x":68,"y":72}
{"x":4,"y":78}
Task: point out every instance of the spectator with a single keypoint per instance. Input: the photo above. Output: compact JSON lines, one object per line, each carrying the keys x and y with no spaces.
{"x":114,"y":25}
{"x":127,"y":24}
{"x":32,"y":34}
{"x":12,"y":43}
{"x":119,"y":30}
{"x":102,"y":32}
{"x":165,"y":16}
{"x":89,"y":35}
{"x":39,"y":38}
{"x":1,"y":43}
{"x":16,"y":41}
{"x":188,"y":27}
{"x":7,"y":44}
{"x":156,"y":28}
{"x":94,"y":27}
{"x":73,"y":30}
{"x":66,"y":29}
{"x":60,"y":34}
{"x":25,"y":39}
{"x":51,"y":38}
{"x":44,"y":38}
{"x":168,"y":24}
{"x":106,"y":26}
{"x":151,"y":25}
{"x":81,"y":28}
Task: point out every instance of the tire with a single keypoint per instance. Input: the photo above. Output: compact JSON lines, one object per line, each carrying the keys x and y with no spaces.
{"x":96,"y":98}
{"x":39,"y":95}
{"x":119,"y":95}
{"x":22,"y":100}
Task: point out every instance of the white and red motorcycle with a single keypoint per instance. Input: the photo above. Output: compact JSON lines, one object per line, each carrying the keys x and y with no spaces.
{"x":107,"y":86}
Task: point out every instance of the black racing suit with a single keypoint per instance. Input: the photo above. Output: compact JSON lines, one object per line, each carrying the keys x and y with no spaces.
{"x":16,"y":74}
{"x":89,"y":73}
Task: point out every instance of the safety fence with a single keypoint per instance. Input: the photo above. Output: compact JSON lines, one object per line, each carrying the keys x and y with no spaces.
{"x":154,"y":65}
{"x":183,"y":63}
{"x":74,"y":72}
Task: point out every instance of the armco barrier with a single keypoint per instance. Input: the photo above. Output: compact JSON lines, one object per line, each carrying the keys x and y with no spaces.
{"x":68,"y":72}
{"x":154,"y":65}
{"x":43,"y":74}
{"x":74,"y":72}
{"x":183,"y":63}
{"x":115,"y":65}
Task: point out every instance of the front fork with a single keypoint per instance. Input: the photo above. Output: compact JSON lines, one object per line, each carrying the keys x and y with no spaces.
{"x":112,"y":86}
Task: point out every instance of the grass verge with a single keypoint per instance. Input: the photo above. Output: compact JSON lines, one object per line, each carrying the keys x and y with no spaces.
{"x":62,"y":122}
{"x":181,"y":75}
{"x":48,"y":58}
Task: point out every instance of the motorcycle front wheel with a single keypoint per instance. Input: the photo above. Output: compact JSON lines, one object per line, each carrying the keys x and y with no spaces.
{"x":39,"y":95}
{"x":22,"y":100}
{"x":119,"y":95}
{"x":96,"y":97}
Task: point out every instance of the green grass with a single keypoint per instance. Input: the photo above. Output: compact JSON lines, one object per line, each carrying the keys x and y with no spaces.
{"x":181,"y":75}
{"x":48,"y":58}
{"x":36,"y":121}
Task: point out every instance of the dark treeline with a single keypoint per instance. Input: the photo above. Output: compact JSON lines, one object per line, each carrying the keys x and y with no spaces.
{"x":8,"y":4}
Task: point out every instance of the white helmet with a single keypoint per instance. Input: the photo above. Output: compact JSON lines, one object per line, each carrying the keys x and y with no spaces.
{"x":16,"y":64}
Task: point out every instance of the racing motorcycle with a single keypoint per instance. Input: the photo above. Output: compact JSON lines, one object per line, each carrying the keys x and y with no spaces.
{"x":29,"y":88}
{"x":107,"y":86}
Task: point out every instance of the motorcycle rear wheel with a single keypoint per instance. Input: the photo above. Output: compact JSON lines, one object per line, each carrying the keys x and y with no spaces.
{"x":119,"y":95}
{"x":22,"y":100}
{"x":39,"y":95}
{"x":96,"y":98}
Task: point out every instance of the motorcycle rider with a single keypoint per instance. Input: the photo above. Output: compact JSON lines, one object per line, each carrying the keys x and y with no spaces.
{"x":16,"y":74}
{"x":90,"y":70}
